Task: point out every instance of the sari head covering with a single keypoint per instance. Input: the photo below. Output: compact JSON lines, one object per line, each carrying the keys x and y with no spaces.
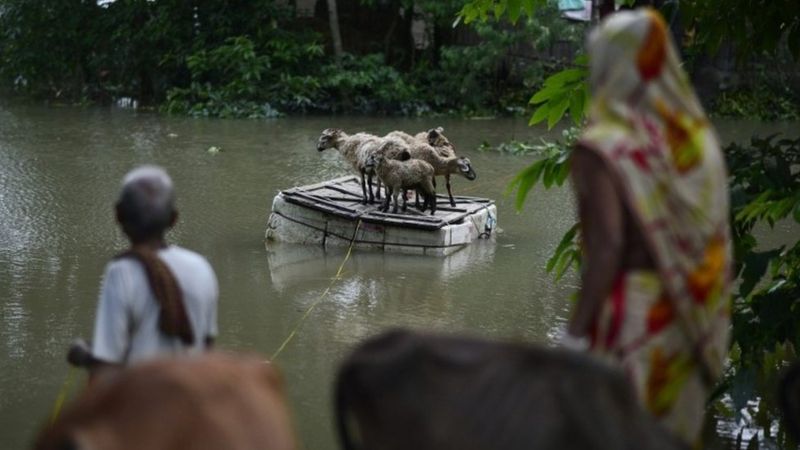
{"x":647,"y":125}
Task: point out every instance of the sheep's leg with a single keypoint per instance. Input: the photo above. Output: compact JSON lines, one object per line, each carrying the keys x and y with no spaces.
{"x":395,"y":194}
{"x":430,"y":194}
{"x":449,"y":190}
{"x":405,"y":201}
{"x":369,"y":184}
{"x":364,"y":187}
{"x":378,"y":193}
{"x":388,"y":197}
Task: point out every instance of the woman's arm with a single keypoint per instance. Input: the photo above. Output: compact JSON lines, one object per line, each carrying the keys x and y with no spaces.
{"x":602,"y":227}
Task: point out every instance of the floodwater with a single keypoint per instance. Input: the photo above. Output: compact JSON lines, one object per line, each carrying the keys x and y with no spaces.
{"x":59,"y":174}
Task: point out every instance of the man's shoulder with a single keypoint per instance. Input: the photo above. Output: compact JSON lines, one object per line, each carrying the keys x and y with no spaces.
{"x":182,"y":256}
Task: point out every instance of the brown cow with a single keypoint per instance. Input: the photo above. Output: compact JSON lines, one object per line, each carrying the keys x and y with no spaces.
{"x":215,"y":401}
{"x":403,"y":391}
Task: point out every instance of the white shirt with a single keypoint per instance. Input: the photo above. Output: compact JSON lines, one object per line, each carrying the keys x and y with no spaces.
{"x":126,"y":327}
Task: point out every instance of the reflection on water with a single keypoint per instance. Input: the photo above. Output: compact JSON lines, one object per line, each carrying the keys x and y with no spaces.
{"x":59,"y":173}
{"x":292,"y":265}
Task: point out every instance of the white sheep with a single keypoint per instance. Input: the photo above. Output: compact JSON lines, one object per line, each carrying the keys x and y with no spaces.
{"x":355,"y":149}
{"x":401,"y":174}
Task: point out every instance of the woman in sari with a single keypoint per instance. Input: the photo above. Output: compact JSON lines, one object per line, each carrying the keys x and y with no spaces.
{"x":653,"y":202}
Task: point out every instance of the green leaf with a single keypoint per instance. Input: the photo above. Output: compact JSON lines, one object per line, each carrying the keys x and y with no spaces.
{"x":524,"y":181}
{"x":755,"y":266}
{"x":540,"y":114}
{"x":576,"y":107}
{"x":529,"y":6}
{"x":514,"y":10}
{"x":543,"y":94}
{"x":557,"y":112}
{"x":499,"y":9}
{"x":565,"y":76}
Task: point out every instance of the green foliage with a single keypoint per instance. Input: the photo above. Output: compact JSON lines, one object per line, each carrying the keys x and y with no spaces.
{"x":753,"y":26}
{"x":224,"y":82}
{"x":565,"y":90}
{"x":367,"y":85}
{"x":551,"y":170}
{"x":765,"y":188}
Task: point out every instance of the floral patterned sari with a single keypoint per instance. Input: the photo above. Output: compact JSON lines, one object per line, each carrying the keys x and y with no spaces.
{"x":668,"y":328}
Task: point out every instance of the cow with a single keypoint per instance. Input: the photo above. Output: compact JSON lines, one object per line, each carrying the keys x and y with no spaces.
{"x":404,"y":390}
{"x":211,"y":401}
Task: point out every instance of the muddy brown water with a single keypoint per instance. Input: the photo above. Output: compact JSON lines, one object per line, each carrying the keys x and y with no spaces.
{"x":60,"y":170}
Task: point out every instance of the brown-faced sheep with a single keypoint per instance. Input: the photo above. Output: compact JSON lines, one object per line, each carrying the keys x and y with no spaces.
{"x":434,"y":148}
{"x":401,"y":174}
{"x":355,"y":149}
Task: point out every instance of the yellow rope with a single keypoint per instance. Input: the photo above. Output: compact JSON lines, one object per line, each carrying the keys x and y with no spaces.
{"x":320,"y":298}
{"x":62,"y":395}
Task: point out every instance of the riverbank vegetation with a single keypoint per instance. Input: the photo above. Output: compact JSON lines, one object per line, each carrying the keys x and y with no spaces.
{"x":267,"y":58}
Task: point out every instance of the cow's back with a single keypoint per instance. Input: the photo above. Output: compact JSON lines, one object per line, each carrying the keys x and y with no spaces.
{"x":214,"y":401}
{"x":412,"y":391}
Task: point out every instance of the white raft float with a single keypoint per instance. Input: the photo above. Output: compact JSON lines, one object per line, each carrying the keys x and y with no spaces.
{"x":331,"y":213}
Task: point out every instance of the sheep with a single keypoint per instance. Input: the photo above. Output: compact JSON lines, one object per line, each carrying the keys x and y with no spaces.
{"x":401,"y":174}
{"x":355,"y":149}
{"x":432,"y":137}
{"x":432,"y":146}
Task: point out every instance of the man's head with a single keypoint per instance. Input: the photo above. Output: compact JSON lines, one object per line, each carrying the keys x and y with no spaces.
{"x":146,"y":204}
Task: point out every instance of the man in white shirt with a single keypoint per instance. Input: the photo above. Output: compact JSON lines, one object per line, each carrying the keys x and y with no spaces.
{"x":156,"y":299}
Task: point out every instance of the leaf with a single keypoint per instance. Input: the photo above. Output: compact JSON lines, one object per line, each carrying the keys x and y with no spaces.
{"x":565,"y":76}
{"x":529,"y":6}
{"x":514,"y":10}
{"x":544,"y":94}
{"x":556,"y":113}
{"x":576,"y":107}
{"x":499,"y":9}
{"x":524,"y":181}
{"x":755,"y":266}
{"x":540,"y":114}
{"x":566,"y":241}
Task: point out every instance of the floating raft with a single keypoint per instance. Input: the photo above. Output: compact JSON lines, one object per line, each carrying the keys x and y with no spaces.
{"x":332,"y":213}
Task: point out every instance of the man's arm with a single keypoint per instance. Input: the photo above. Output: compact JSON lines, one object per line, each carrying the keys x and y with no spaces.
{"x":111,"y":334}
{"x":602,"y":220}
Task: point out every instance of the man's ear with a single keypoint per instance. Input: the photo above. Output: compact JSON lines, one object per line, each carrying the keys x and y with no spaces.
{"x":118,"y":214}
{"x":174,"y":218}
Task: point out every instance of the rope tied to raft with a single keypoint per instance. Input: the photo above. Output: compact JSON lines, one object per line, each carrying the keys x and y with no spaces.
{"x":319,"y":299}
{"x":488,"y":226}
{"x":62,"y":395}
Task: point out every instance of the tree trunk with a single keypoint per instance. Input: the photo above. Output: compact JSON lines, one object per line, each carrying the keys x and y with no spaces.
{"x":605,"y":7}
{"x":336,"y":36}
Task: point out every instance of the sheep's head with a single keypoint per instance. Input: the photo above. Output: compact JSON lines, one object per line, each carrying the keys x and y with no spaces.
{"x":374,"y":160}
{"x":329,"y":138}
{"x":437,"y":139}
{"x":465,"y":168}
{"x":395,"y":149}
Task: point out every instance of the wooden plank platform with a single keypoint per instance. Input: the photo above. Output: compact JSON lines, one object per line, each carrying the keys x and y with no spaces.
{"x":329,"y":213}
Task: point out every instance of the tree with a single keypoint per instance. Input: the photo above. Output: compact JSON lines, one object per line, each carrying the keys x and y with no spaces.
{"x":336,"y":35}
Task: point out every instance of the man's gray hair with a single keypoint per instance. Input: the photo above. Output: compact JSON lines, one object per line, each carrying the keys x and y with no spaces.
{"x":147,"y":200}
